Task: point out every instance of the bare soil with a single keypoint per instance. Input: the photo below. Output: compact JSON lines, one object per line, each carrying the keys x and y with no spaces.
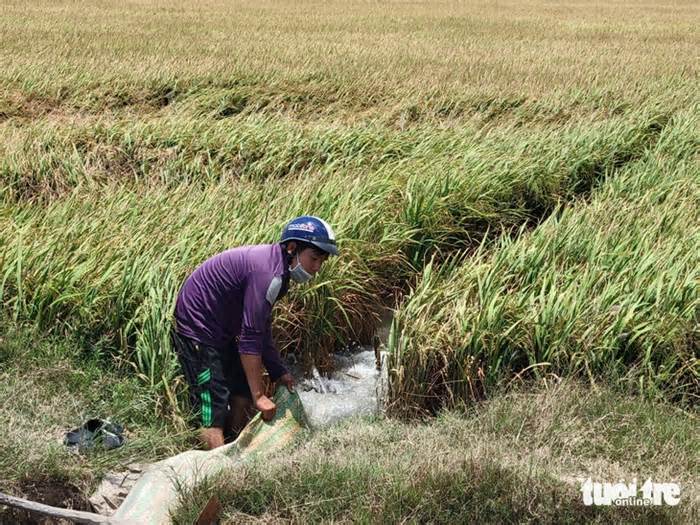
{"x":54,"y":492}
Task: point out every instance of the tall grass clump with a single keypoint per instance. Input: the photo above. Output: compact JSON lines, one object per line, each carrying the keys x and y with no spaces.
{"x":109,"y":268}
{"x":603,"y":289}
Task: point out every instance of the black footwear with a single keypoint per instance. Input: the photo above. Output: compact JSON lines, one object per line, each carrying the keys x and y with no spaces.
{"x":95,"y":432}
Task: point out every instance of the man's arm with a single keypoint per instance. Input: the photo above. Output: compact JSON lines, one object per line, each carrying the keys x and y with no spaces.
{"x":252,"y":366}
{"x":273,"y":361}
{"x":257,"y":309}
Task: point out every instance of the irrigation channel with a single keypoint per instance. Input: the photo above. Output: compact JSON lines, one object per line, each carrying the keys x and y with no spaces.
{"x":355,"y":388}
{"x":148,"y":493}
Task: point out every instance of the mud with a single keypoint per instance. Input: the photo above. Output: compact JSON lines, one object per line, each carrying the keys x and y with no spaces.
{"x":54,"y":492}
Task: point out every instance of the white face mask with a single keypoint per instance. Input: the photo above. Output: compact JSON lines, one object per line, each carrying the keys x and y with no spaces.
{"x":298,"y":274}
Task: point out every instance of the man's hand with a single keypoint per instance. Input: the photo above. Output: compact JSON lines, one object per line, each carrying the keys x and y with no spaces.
{"x":288,"y":381}
{"x":266,"y":407}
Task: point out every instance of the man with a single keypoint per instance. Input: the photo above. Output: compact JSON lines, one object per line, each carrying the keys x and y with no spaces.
{"x":223,"y":322}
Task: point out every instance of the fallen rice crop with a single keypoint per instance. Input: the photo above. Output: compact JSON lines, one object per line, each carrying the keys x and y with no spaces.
{"x":605,"y":288}
{"x":444,"y":142}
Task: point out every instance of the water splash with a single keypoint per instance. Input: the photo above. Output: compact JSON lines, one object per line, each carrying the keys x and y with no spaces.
{"x":353,"y":389}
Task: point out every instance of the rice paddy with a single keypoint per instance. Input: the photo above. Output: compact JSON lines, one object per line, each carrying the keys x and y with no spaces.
{"x":517,"y":182}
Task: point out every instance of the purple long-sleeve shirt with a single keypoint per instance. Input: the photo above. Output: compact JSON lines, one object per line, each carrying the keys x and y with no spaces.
{"x":230,"y":296}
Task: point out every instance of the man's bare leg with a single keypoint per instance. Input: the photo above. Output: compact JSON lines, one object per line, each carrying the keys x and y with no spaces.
{"x":212,"y":437}
{"x":242,"y":411}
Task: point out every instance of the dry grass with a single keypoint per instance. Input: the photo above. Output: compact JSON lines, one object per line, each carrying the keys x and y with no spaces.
{"x":48,"y":387}
{"x":519,"y":457}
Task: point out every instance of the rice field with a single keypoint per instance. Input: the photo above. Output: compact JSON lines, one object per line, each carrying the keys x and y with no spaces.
{"x":517,"y":180}
{"x":604,"y":288}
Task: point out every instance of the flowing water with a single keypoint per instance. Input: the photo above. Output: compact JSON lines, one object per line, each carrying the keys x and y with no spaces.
{"x":355,"y":388}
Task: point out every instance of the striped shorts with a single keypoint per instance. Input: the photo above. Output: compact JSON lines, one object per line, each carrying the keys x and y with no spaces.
{"x":213,"y":376}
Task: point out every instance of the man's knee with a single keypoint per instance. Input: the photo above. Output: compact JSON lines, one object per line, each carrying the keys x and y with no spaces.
{"x":212,"y":437}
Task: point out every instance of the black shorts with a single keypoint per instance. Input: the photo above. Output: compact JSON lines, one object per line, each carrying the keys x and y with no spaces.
{"x":213,"y":376}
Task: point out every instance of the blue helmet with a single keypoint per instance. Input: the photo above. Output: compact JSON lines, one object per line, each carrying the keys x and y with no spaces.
{"x":313,"y":230}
